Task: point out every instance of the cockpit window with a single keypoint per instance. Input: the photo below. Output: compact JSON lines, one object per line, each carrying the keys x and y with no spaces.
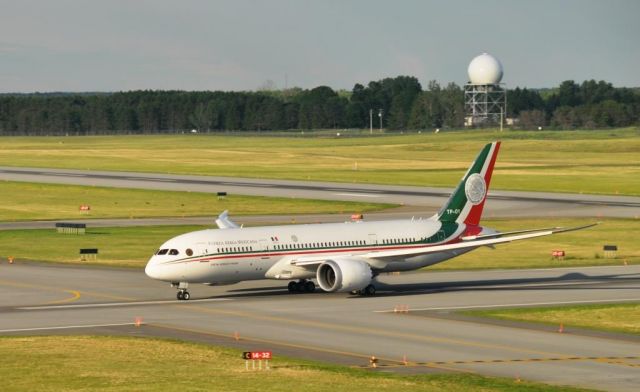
{"x":163,"y":252}
{"x":173,"y":252}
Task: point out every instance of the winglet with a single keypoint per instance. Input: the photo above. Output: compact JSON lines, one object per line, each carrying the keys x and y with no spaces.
{"x":466,"y":203}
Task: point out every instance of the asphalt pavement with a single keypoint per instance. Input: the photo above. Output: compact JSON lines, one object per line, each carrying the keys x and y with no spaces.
{"x":412,"y":320}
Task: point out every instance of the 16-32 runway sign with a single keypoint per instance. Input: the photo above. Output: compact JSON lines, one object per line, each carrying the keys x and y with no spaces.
{"x":257,"y":355}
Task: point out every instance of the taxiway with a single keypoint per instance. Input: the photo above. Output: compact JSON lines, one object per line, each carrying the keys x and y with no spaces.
{"x":499,"y":203}
{"x":52,"y":299}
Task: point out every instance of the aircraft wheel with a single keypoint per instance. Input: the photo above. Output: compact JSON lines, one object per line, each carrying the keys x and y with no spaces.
{"x":309,"y":287}
{"x":369,"y":290}
{"x":180,"y":296}
{"x":300,"y":287}
{"x":292,"y":287}
{"x":186,"y":296}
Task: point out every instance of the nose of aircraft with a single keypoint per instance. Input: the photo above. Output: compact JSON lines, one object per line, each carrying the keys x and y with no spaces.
{"x":151,"y":269}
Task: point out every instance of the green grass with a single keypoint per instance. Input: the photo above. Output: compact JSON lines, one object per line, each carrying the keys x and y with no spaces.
{"x":603,"y":162}
{"x":118,"y":246}
{"x":26,"y":201}
{"x":85,"y":363}
{"x":616,"y":318}
{"x":132,"y":246}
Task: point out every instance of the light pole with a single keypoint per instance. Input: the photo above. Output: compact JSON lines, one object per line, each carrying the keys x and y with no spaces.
{"x":380,"y":115}
{"x":371,"y":121}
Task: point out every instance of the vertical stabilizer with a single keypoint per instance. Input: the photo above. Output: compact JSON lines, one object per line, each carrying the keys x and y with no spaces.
{"x":467,"y":201}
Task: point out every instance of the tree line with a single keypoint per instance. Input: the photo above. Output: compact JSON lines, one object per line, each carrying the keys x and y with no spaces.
{"x":398,"y":103}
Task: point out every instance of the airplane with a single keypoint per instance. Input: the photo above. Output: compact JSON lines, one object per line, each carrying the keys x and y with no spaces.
{"x":341,"y":257}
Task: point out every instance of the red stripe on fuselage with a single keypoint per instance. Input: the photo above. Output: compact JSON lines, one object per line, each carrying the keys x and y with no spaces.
{"x":280,"y":253}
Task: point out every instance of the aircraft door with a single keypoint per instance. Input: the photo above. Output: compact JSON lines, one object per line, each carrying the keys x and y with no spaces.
{"x":373,"y":239}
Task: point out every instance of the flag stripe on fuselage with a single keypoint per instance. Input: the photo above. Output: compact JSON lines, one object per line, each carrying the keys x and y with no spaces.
{"x":449,"y":230}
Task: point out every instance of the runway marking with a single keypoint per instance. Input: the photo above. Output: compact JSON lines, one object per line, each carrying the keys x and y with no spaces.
{"x":60,"y":174}
{"x":56,"y":289}
{"x":517,"y":305}
{"x":548,"y":284}
{"x":65,"y":327}
{"x":356,"y":194}
{"x":609,"y":360}
{"x":573,"y":268}
{"x":362,"y":329}
{"x":299,"y":346}
{"x":76,"y":296}
{"x":109,"y":296}
{"x":157,"y":179}
{"x":116,"y":304}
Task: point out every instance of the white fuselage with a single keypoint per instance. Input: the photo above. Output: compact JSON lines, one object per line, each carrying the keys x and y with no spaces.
{"x":224,"y":256}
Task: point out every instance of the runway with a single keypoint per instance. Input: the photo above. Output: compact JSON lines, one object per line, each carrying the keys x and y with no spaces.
{"x":431,"y":336}
{"x":499,"y":203}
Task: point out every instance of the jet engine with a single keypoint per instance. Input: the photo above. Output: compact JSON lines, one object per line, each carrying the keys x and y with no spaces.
{"x":343,"y":275}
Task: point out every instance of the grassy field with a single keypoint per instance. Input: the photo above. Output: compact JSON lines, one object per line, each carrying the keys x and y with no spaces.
{"x":84,"y":363}
{"x":118,"y":246}
{"x":604,"y":162}
{"x":616,"y":318}
{"x":132,"y":246}
{"x":26,"y":201}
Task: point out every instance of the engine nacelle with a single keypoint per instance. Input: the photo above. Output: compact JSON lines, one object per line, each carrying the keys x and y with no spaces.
{"x":343,"y":275}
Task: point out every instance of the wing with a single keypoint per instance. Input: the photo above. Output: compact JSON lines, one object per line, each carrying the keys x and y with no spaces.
{"x":224,"y":222}
{"x":305,"y":266}
{"x":473,"y":242}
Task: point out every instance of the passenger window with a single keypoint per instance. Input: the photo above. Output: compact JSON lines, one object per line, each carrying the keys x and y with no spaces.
{"x":189,"y":252}
{"x":163,"y":251}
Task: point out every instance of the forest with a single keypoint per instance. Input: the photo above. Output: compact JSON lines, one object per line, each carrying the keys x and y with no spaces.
{"x":399,"y":103}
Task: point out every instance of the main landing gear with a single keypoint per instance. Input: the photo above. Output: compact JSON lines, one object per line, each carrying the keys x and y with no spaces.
{"x":301,"y":286}
{"x":183,"y":294}
{"x":368,"y":291}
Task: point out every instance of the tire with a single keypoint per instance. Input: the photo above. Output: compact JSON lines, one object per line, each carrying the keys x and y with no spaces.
{"x":369,"y":290}
{"x":186,"y":296}
{"x":292,"y":287}
{"x":309,"y":287}
{"x":179,"y":296}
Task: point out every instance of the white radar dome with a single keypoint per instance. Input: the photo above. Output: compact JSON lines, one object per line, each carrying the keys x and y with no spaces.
{"x":485,"y":69}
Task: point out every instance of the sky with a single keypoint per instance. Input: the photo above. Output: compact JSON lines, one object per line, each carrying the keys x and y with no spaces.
{"x":118,"y":45}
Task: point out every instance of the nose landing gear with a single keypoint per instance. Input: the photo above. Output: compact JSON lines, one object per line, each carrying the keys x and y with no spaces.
{"x":183,"y":294}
